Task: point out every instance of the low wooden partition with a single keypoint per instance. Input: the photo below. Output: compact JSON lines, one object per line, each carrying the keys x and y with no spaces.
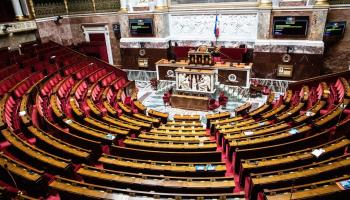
{"x":189,"y":102}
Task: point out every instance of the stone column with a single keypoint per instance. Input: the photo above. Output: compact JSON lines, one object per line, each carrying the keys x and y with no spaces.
{"x":18,"y":10}
{"x":161,"y":4}
{"x":123,"y":5}
{"x":264,"y":20}
{"x":265,"y":4}
{"x":322,"y":3}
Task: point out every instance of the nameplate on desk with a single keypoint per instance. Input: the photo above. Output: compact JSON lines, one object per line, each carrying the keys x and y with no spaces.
{"x":285,"y":71}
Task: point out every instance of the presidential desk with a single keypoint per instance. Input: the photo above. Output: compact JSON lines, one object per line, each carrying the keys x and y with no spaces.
{"x":233,"y":74}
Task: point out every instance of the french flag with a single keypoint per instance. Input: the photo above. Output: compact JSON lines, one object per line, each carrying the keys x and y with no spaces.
{"x":216,"y":27}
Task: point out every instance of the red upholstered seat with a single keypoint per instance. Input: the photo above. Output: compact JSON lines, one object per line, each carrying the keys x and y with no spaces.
{"x":213,"y":104}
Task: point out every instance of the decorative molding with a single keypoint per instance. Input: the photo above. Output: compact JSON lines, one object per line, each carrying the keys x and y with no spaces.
{"x":17,"y":27}
{"x":298,"y":46}
{"x":156,"y":43}
{"x":226,"y":44}
{"x":233,"y":27}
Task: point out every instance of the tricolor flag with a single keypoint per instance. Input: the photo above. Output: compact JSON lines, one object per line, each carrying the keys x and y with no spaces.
{"x":216,"y":27}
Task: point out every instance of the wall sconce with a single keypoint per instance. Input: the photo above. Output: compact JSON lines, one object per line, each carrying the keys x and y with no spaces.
{"x":58,"y":20}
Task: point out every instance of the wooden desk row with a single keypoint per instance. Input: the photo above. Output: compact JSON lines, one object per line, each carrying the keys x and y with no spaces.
{"x":25,"y":172}
{"x":261,"y":131}
{"x":331,"y":115}
{"x":136,"y":122}
{"x":251,"y":126}
{"x":36,"y":156}
{"x":140,"y":107}
{"x":309,"y":114}
{"x":304,"y":93}
{"x":121,"y":123}
{"x":292,"y":159}
{"x":327,"y":189}
{"x":325,"y":90}
{"x":183,"y":123}
{"x":120,"y":131}
{"x":178,"y":117}
{"x":2,"y":111}
{"x":156,"y":183}
{"x":56,"y":107}
{"x":88,"y":132}
{"x":346,"y":86}
{"x":164,"y":155}
{"x":243,"y":109}
{"x":94,"y":109}
{"x":273,"y":112}
{"x":165,"y":137}
{"x":180,"y":128}
{"x":155,"y":122}
{"x":178,"y":132}
{"x":266,"y":137}
{"x":216,"y":116}
{"x":66,"y":136}
{"x":288,"y":97}
{"x":292,"y":111}
{"x":280,"y":148}
{"x":161,"y":167}
{"x":54,"y":144}
{"x":333,"y":167}
{"x":169,"y":146}
{"x":70,"y":189}
{"x":162,"y":116}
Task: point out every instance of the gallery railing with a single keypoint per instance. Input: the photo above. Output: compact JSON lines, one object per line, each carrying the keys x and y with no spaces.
{"x":49,"y":8}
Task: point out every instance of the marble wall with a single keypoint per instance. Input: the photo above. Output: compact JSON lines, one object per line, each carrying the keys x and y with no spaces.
{"x":60,"y":33}
{"x":233,"y":27}
{"x":337,"y":55}
{"x":70,"y":32}
{"x":317,"y":20}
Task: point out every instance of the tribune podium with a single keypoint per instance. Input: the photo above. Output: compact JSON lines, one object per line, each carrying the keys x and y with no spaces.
{"x":195,"y":85}
{"x":196,"y":79}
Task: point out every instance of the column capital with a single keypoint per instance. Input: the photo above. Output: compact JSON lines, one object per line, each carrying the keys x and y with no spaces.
{"x":161,"y":4}
{"x":123,"y":5}
{"x":321,"y":3}
{"x":265,"y":4}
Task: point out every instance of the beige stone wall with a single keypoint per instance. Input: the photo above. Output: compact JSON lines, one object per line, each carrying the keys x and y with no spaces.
{"x":337,"y":56}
